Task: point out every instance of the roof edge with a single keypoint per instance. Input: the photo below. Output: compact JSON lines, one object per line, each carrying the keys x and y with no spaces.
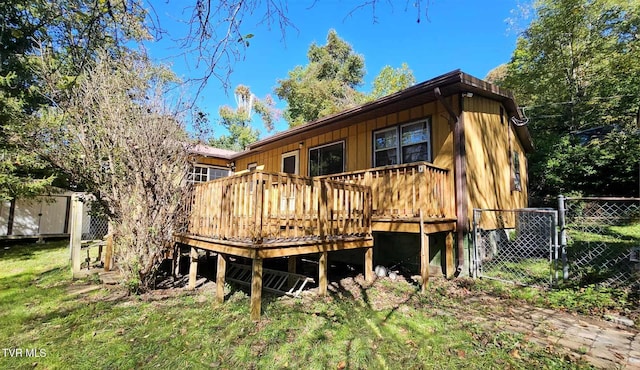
{"x":458,"y":80}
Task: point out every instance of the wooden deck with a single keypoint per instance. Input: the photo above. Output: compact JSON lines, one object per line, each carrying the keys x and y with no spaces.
{"x":400,"y":191}
{"x":259,"y":215}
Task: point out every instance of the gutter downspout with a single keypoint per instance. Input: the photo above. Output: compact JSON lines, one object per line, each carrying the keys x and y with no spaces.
{"x":460,"y":176}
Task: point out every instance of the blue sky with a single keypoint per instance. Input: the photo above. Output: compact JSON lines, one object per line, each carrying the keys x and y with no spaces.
{"x":468,"y":34}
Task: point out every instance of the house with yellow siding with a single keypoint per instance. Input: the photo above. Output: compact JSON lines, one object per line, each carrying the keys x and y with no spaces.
{"x":396,"y":178}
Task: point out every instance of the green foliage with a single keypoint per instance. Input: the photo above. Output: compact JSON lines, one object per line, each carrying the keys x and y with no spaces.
{"x":70,"y":30}
{"x":391,"y":80}
{"x":239,"y":138}
{"x":238,"y":120}
{"x":577,"y":67}
{"x":497,"y":75}
{"x":601,"y":166}
{"x":326,"y":85}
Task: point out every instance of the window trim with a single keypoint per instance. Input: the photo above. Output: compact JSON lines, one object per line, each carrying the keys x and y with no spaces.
{"x":208,"y":167}
{"x":399,"y":146}
{"x":292,"y":153}
{"x":516,"y":172}
{"x":344,"y":155}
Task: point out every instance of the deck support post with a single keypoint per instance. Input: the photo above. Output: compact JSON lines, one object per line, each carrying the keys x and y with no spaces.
{"x":368,"y":264}
{"x":256,"y":289}
{"x":292,"y":268}
{"x":322,"y":272}
{"x":193,"y":269}
{"x":221,"y":273}
{"x":424,"y":255}
{"x":448,"y":256}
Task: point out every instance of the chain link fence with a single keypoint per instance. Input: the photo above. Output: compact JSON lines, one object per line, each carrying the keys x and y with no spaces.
{"x":88,"y":231}
{"x":600,"y":238}
{"x":95,"y":225}
{"x":518,"y":246}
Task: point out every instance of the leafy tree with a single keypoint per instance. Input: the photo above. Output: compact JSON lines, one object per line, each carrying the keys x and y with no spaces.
{"x":116,"y":133}
{"x":497,"y":75}
{"x":391,"y":80}
{"x":71,"y":30}
{"x":238,"y":120}
{"x":577,"y":67}
{"x":326,"y":85}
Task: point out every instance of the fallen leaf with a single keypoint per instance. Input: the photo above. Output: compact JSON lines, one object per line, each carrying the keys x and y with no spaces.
{"x":342,"y":365}
{"x":515,"y":353}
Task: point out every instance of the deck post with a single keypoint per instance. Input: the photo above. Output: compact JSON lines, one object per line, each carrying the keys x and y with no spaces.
{"x":293,"y":262}
{"x":448,"y":255}
{"x":221,"y":273}
{"x":368,"y":264}
{"x":193,"y":269}
{"x":256,"y":289}
{"x":322,"y":272}
{"x":424,"y":255}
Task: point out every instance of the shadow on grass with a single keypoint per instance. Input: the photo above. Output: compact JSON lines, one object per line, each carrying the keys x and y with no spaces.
{"x":25,"y":251}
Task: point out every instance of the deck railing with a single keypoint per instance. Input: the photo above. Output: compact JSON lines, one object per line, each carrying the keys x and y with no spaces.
{"x":402,"y":190}
{"x":260,"y":207}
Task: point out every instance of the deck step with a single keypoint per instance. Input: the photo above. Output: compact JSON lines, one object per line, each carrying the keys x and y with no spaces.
{"x":273,"y":281}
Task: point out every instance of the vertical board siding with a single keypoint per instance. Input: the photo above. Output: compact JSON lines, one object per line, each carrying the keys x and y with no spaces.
{"x":358,"y":141}
{"x":488,"y":157}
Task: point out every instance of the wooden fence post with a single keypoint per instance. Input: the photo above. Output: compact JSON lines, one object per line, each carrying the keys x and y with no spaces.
{"x":75,"y":239}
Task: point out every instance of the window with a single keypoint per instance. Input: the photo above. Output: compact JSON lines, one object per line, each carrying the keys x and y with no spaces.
{"x":205,"y":173}
{"x":386,"y":147}
{"x":415,"y":142}
{"x":403,"y":144}
{"x":517,"y":181}
{"x":326,"y":159}
{"x":290,"y":162}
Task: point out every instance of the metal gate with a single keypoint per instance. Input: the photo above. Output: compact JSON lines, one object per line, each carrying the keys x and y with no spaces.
{"x":518,"y":246}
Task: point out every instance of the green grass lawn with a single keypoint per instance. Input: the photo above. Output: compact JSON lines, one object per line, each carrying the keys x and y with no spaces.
{"x":388,"y":325}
